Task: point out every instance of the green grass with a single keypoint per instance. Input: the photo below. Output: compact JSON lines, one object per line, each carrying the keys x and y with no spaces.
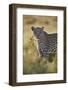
{"x":40,"y":66}
{"x":34,"y":64}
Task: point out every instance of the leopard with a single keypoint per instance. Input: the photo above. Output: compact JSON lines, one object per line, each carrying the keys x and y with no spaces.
{"x":47,"y":43}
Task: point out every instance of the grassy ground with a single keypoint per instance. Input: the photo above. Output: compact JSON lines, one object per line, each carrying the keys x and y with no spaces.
{"x":32,"y":62}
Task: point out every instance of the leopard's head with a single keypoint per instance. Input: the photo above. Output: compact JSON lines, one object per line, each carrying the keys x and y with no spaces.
{"x":38,"y":32}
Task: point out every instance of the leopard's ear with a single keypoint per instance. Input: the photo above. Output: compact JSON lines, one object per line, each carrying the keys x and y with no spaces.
{"x":32,"y":28}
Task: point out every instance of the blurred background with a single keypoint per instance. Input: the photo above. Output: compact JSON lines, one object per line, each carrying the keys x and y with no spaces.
{"x":31,"y":55}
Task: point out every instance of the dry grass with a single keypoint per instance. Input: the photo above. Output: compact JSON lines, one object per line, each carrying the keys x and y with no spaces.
{"x":33,"y":63}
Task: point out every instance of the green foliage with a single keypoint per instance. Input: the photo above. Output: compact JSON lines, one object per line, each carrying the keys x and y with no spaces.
{"x":51,"y":56}
{"x":35,"y":68}
{"x":34,"y":64}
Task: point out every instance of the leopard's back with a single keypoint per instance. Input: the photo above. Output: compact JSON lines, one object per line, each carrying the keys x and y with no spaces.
{"x":48,"y":46}
{"x":52,"y":39}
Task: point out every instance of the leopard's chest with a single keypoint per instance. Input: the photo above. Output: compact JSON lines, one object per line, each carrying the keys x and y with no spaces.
{"x":36,"y":45}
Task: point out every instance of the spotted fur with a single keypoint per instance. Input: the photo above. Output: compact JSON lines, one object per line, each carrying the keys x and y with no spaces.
{"x":47,"y":43}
